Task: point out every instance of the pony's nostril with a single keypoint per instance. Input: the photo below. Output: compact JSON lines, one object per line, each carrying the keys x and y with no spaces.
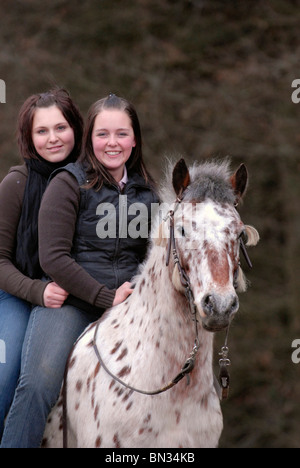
{"x":207,"y":304}
{"x":216,"y":305}
{"x":207,"y":300}
{"x":234,"y":305}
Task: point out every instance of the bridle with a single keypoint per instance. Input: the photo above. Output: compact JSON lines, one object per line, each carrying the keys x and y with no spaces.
{"x":222,"y":383}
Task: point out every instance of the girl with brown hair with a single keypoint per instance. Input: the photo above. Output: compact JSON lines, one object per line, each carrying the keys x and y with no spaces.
{"x":49,"y":135}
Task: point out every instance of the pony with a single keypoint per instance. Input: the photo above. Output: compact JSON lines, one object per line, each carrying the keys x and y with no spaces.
{"x":119,"y":388}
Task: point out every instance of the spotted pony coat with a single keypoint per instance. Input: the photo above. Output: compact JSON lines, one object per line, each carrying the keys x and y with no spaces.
{"x":146,"y":339}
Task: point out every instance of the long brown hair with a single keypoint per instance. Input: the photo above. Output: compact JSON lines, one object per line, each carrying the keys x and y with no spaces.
{"x":96,"y":172}
{"x":55,"y":97}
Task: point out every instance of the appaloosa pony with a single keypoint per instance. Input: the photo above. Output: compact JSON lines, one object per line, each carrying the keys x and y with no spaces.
{"x":124,"y":384}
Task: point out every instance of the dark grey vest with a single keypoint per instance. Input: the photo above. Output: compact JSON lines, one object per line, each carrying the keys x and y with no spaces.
{"x":112,"y":229}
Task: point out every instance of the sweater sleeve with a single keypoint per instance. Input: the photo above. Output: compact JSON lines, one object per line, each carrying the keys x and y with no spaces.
{"x":11,"y":279}
{"x":57,"y":222}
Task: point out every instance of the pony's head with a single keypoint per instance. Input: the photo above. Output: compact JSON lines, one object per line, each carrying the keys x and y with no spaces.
{"x":208,"y":230}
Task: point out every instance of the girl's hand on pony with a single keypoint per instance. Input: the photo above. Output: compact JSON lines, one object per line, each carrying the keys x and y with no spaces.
{"x":122,"y":293}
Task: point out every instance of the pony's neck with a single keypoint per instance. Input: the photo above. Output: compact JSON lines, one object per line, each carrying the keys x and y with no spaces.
{"x":155,"y":287}
{"x":166,"y":310}
{"x":168,"y":326}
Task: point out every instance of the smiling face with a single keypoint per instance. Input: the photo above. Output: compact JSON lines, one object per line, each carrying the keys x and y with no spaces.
{"x":52,"y":136}
{"x":113,"y":139}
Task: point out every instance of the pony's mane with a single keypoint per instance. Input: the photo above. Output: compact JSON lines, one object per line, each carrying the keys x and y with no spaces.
{"x":208,"y":180}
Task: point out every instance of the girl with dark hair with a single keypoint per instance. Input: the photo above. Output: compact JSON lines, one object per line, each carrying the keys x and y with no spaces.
{"x":97,"y":171}
{"x":49,"y":136}
{"x":94,"y":265}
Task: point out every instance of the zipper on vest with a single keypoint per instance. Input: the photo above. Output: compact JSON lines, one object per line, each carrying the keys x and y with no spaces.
{"x":121,"y":229}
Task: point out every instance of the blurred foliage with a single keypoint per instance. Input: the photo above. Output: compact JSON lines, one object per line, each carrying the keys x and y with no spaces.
{"x":209,"y":78}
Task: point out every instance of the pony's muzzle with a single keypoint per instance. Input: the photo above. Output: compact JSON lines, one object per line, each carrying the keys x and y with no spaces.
{"x":218,"y":310}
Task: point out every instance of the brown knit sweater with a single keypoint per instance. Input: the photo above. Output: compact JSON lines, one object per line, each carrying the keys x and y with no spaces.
{"x":56,"y":228}
{"x":11,"y":279}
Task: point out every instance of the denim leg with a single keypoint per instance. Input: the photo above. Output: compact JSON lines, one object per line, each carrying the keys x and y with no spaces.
{"x":14,"y":316}
{"x":50,"y":336}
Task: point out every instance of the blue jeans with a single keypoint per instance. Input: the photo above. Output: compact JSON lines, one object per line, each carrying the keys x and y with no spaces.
{"x":50,"y":336}
{"x":14,"y":316}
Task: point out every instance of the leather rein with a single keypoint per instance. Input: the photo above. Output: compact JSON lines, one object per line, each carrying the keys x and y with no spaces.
{"x":189,"y":364}
{"x":221,"y":385}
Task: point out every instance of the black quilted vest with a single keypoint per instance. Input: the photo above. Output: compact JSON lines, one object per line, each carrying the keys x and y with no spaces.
{"x":111,"y":236}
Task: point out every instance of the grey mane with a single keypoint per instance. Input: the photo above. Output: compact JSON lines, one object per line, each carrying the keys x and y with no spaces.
{"x":209,"y":180}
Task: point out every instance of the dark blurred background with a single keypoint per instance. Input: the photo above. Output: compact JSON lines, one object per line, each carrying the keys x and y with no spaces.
{"x":210,"y":79}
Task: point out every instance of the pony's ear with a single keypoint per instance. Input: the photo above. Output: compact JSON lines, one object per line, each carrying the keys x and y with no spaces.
{"x":239,"y":181}
{"x":181,"y":177}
